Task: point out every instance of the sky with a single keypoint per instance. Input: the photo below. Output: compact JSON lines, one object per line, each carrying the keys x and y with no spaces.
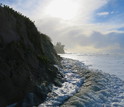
{"x":83,"y":26}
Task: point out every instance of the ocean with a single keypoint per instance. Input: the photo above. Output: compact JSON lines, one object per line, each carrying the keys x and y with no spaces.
{"x":108,"y":63}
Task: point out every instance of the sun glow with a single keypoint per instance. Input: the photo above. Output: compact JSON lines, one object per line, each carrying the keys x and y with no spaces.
{"x":64,"y":9}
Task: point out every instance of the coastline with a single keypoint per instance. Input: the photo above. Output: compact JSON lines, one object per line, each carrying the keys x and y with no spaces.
{"x":71,"y":85}
{"x":91,"y":88}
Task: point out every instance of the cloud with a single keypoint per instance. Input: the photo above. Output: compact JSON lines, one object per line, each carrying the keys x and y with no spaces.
{"x":103,"y":13}
{"x":99,"y":40}
{"x":96,"y":42}
{"x":37,"y":8}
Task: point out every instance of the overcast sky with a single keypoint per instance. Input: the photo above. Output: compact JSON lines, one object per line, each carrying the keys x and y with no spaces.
{"x":81,"y":25}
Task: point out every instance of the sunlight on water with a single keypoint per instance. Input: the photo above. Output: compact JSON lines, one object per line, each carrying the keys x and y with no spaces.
{"x":113,"y":64}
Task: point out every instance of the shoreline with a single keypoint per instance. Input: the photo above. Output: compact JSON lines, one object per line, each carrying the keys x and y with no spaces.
{"x":95,"y":88}
{"x":71,"y":85}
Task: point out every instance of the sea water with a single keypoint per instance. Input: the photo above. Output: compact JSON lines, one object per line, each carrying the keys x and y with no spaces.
{"x":109,"y":63}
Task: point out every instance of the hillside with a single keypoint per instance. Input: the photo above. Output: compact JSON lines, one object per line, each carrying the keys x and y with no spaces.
{"x":26,"y":61}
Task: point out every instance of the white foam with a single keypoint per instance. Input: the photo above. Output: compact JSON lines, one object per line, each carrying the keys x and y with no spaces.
{"x":69,"y":87}
{"x":110,"y":95}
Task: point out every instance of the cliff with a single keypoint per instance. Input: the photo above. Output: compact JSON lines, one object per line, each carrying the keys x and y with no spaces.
{"x":26,"y":61}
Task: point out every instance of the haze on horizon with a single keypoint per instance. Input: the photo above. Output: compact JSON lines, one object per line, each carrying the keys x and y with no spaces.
{"x":81,"y":25}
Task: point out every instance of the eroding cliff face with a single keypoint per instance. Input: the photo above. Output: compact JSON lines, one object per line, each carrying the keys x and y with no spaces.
{"x":26,"y":59}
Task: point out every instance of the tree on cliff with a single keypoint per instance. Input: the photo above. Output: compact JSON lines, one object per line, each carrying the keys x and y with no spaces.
{"x":59,"y":48}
